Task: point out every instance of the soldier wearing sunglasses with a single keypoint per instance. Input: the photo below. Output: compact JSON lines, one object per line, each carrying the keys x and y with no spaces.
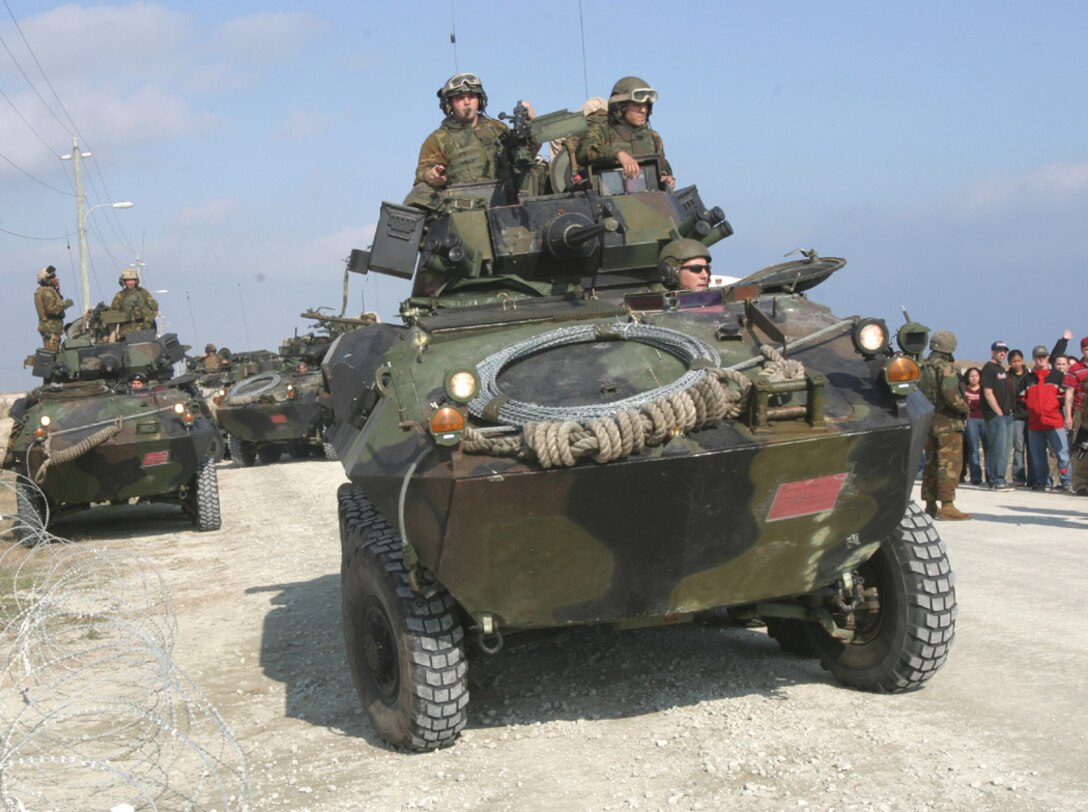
{"x":626,"y":136}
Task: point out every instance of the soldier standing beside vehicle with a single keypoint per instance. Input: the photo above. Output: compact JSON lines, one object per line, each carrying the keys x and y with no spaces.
{"x":626,"y":136}
{"x":940,"y":382}
{"x":136,"y":303}
{"x":465,"y":148}
{"x":50,"y":307}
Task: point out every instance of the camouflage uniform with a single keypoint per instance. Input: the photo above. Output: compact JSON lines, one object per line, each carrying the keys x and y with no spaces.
{"x":50,"y":307}
{"x":469,"y":154}
{"x":603,"y":143}
{"x":139,"y":307}
{"x":940,"y":382}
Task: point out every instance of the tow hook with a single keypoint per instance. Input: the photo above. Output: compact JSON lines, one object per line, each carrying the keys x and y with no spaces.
{"x":489,"y":638}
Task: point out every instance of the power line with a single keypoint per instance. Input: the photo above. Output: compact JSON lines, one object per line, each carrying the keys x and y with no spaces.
{"x":36,"y":180}
{"x":42,"y":72}
{"x":27,"y":237}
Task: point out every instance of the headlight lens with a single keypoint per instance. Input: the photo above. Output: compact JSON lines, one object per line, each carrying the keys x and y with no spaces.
{"x":461,"y":385}
{"x":901,"y":370}
{"x":871,"y":336}
{"x":179,"y":408}
{"x":447,"y":423}
{"x":44,"y":421}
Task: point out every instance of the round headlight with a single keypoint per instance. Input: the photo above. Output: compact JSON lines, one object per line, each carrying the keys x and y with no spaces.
{"x":45,"y":420}
{"x":461,"y":385}
{"x":871,"y":336}
{"x":179,"y":408}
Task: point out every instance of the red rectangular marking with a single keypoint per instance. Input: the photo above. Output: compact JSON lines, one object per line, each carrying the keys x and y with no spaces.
{"x":278,"y":418}
{"x":153,"y":458}
{"x":805,"y":497}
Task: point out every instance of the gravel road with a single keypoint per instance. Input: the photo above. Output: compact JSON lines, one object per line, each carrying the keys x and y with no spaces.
{"x":691,"y":717}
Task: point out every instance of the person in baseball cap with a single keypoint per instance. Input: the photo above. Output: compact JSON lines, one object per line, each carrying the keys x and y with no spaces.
{"x":999,"y":346}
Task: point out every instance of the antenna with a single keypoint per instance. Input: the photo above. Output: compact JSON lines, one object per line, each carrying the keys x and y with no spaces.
{"x":453,"y":34}
{"x":582,"y":29}
{"x":188,"y":301}
{"x":245,"y":323}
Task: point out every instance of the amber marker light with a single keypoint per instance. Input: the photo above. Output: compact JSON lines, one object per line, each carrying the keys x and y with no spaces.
{"x":447,"y":423}
{"x":901,"y":373}
{"x":292,"y":393}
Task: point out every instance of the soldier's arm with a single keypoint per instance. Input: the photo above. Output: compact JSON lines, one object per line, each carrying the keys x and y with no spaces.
{"x":594,"y":149}
{"x":151,"y":307}
{"x":54,"y":305}
{"x":950,"y":390}
{"x":431,"y":154}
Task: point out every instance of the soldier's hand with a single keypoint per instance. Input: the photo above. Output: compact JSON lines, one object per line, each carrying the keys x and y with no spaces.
{"x":136,"y":314}
{"x":67,"y":303}
{"x":629,"y":165}
{"x":435,"y":176}
{"x":669,"y":181}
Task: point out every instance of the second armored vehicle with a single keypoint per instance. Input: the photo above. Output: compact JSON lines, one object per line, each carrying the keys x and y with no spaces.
{"x":112,"y":424}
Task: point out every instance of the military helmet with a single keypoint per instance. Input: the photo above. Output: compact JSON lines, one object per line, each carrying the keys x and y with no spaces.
{"x":46,"y":274}
{"x":128,"y":273}
{"x":461,"y":83}
{"x":943,"y":341}
{"x":675,"y":254}
{"x":630,"y":88}
{"x":209,"y":348}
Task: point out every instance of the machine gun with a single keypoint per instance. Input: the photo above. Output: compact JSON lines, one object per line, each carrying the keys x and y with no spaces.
{"x":518,"y":161}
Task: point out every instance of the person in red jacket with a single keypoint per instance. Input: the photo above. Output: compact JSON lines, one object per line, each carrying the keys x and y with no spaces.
{"x":1046,"y":423}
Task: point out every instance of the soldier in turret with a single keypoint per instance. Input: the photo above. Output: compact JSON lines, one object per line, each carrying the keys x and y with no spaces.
{"x":940,"y":382}
{"x":465,"y":148}
{"x":685,"y":265}
{"x":211,"y":360}
{"x":50,"y":307}
{"x":136,"y":303}
{"x":626,"y":136}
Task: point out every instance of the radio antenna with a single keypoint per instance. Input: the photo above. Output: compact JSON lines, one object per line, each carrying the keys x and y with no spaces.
{"x":453,"y":34}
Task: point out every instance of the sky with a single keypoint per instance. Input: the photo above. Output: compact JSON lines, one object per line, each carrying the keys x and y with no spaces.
{"x":941,"y":148}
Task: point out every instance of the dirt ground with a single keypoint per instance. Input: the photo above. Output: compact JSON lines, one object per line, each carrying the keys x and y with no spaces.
{"x":690,"y":717}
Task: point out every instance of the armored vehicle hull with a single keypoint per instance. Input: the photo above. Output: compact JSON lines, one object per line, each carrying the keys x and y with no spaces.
{"x":272,"y":413}
{"x":84,"y":443}
{"x":562,"y":435}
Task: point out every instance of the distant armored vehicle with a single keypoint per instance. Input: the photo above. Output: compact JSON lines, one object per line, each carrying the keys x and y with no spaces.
{"x":560,"y":436}
{"x":272,"y":405}
{"x":111,"y":424}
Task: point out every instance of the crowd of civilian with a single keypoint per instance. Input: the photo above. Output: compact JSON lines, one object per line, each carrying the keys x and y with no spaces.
{"x":1018,"y":413}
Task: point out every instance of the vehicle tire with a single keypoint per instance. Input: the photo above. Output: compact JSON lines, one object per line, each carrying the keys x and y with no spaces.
{"x":249,"y":390}
{"x":406,"y":651}
{"x":792,"y":636}
{"x":902,"y":644}
{"x":330,"y":451}
{"x":242,"y":452}
{"x":31,"y":514}
{"x":269,"y":454}
{"x":204,"y":497}
{"x":297,"y":450}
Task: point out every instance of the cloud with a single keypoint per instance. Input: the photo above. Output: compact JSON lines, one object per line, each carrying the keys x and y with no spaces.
{"x":1054,"y":183}
{"x":264,"y":37}
{"x":301,"y":125}
{"x":212,"y":213}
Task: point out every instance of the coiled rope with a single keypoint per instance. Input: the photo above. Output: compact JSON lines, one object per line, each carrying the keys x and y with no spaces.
{"x":617,"y":430}
{"x":76,"y":451}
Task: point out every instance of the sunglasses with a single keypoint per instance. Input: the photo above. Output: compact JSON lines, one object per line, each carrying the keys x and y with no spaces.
{"x":696,"y":268}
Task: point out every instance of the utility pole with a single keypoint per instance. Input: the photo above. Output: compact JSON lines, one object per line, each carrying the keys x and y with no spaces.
{"x":81,"y":219}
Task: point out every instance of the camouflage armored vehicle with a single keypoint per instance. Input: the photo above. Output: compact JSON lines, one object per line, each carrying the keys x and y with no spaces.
{"x":558,"y":436}
{"x":272,"y":407}
{"x":111,"y":424}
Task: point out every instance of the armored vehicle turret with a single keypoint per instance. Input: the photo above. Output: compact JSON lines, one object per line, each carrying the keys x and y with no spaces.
{"x":111,"y":423}
{"x":560,"y":435}
{"x":271,"y":406}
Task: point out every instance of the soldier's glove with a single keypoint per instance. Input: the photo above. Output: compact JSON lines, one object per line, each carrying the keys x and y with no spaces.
{"x":67,"y":303}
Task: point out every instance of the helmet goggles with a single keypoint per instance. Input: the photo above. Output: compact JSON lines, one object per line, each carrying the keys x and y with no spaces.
{"x":462,"y":83}
{"x":643,"y":95}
